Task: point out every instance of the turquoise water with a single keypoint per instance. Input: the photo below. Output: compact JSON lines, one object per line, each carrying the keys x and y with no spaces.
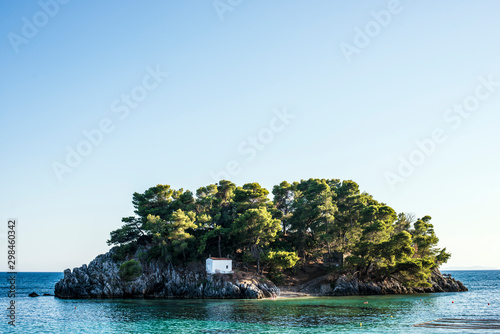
{"x":382,"y":314}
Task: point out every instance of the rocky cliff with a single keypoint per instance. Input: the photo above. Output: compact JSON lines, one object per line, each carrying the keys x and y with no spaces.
{"x":101,"y":279}
{"x":342,"y":285}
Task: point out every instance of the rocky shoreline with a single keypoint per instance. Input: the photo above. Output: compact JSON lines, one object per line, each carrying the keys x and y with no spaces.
{"x":101,"y":279}
{"x":342,"y":285}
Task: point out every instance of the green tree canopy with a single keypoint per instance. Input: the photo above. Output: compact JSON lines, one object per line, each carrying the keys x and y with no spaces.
{"x":304,"y":221}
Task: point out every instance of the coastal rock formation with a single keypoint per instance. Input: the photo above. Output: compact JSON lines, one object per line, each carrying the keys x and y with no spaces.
{"x":347,"y":286}
{"x":101,"y":279}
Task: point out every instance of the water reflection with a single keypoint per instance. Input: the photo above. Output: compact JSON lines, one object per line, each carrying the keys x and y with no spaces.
{"x":314,"y":312}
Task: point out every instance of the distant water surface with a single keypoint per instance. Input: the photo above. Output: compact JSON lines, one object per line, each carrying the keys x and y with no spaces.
{"x":382,"y":314}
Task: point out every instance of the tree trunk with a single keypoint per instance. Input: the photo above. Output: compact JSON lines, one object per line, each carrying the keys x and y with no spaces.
{"x":140,"y":230}
{"x":329,"y":253}
{"x":218,"y":242}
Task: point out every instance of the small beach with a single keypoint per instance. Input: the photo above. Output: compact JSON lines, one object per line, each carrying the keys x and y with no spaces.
{"x":295,"y":294}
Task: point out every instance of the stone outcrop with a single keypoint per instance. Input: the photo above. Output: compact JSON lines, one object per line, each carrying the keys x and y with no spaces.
{"x":345,"y":286}
{"x":101,"y":279}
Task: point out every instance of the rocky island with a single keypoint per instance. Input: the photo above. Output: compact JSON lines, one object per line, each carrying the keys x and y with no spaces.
{"x":316,"y":237}
{"x":101,"y":279}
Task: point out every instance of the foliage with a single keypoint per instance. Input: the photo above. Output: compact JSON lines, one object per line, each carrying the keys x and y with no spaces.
{"x":282,"y":259}
{"x":277,"y":261}
{"x":255,"y":229}
{"x":304,"y":221}
{"x":181,"y":222}
{"x":129,"y":232}
{"x":121,"y":252}
{"x":130,"y":270}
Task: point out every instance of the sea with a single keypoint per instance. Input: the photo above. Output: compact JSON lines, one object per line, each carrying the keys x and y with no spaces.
{"x":462,"y":312}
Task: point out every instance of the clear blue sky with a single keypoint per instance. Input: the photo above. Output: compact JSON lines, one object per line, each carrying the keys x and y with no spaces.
{"x":354,"y":113}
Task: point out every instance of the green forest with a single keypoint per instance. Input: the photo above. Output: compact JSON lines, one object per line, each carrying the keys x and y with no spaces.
{"x":311,"y":221}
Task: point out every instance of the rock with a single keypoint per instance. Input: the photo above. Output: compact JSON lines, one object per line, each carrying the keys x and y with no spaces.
{"x":345,"y":286}
{"x":100,"y":279}
{"x":47,"y":294}
{"x":370,"y":289}
{"x":325,"y":289}
{"x":33,"y":294}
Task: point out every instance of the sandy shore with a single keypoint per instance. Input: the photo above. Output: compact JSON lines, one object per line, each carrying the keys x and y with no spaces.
{"x":294,"y":294}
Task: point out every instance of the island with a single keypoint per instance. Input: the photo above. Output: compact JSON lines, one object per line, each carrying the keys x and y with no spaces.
{"x":321,"y":237}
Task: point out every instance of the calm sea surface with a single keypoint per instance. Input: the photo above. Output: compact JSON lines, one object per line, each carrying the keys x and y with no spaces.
{"x":382,"y":314}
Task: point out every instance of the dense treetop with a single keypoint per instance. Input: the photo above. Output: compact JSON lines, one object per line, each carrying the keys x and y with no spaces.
{"x":313,"y":220}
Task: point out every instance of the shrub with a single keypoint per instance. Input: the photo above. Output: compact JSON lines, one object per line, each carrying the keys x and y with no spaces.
{"x":247,"y":257}
{"x":130,"y":270}
{"x":142,"y":256}
{"x":158,"y":252}
{"x":281,"y":259}
{"x":121,"y":252}
{"x":277,"y":277}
